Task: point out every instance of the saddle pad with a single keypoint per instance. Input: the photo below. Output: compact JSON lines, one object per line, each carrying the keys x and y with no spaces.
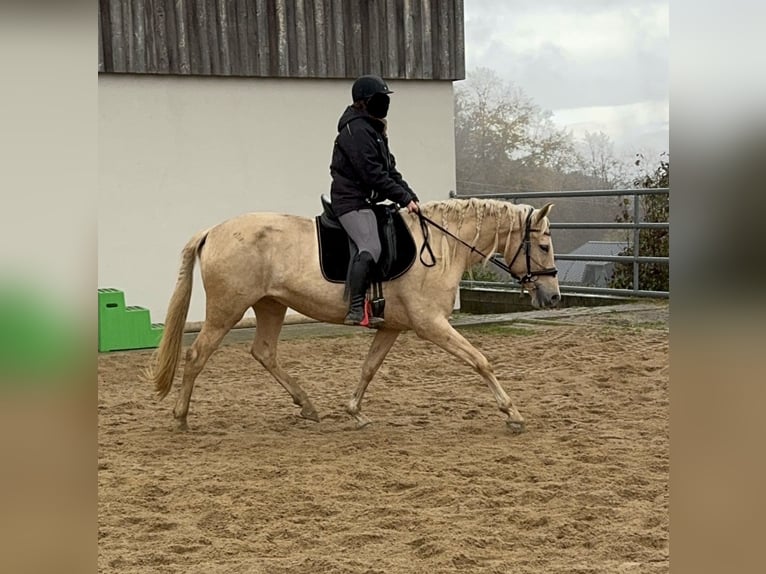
{"x":334,"y":254}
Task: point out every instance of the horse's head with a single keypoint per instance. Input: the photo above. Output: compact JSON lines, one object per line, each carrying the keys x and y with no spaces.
{"x":532,"y":261}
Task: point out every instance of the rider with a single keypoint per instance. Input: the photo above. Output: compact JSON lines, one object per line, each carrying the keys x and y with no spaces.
{"x":364,"y":172}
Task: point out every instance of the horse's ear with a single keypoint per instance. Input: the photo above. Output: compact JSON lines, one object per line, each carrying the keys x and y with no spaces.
{"x":543,"y":212}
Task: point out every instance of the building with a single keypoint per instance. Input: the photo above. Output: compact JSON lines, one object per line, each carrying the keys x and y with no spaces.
{"x":212,"y":108}
{"x":590,"y":273}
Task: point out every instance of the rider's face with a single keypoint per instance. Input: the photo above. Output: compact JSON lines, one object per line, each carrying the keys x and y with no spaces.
{"x":377,"y":105}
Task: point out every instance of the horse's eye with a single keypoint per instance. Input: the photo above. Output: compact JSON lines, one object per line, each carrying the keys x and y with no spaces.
{"x":545,"y":248}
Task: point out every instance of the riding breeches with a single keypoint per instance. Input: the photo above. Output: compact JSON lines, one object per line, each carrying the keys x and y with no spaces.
{"x":362,"y":228}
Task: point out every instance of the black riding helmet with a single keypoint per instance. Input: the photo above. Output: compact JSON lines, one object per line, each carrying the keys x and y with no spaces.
{"x":367,"y":86}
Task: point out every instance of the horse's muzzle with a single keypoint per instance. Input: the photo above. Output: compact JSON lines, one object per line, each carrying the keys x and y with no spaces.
{"x":543,"y":300}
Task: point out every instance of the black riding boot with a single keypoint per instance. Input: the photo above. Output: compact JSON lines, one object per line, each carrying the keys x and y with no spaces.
{"x":358,"y":282}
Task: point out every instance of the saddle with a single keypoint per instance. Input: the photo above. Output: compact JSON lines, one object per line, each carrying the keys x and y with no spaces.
{"x":336,"y":250}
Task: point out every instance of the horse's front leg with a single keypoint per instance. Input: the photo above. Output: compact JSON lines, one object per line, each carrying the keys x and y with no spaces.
{"x":443,"y":334}
{"x":381,"y":345}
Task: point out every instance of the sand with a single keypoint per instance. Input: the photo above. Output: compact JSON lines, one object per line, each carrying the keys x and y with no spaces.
{"x":436,"y":484}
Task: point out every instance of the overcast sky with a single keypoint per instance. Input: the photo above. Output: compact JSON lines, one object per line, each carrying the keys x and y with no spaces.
{"x":598,"y":65}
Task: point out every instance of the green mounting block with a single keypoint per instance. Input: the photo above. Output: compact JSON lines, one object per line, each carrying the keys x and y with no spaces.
{"x":121,"y":328}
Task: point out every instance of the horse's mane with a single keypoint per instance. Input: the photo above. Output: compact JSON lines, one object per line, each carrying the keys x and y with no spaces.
{"x":452,"y":214}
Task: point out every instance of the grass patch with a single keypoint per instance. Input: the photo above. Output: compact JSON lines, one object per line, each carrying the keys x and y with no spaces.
{"x":545,"y":322}
{"x":500,"y":329}
{"x":633,"y":326}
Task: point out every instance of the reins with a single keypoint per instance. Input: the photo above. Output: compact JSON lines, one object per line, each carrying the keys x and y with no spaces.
{"x":525,"y":244}
{"x":427,"y":247}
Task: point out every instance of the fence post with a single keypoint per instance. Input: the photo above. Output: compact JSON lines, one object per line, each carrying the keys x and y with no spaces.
{"x":636,"y":239}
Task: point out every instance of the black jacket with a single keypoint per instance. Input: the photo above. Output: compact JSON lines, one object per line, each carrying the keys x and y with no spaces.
{"x":363,"y":169}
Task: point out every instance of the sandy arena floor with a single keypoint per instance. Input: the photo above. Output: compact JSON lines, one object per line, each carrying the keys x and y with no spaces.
{"x":435,"y":484}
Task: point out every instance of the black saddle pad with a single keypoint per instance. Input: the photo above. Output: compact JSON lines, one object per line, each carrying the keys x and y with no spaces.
{"x":335,"y":253}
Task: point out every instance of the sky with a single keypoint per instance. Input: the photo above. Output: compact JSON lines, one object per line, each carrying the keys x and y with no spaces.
{"x":598,"y":65}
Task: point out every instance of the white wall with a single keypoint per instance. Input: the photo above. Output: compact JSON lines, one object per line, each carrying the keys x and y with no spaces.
{"x":179,"y":154}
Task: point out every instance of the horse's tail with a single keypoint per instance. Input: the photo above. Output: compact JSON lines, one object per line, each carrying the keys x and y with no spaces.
{"x":165,"y":360}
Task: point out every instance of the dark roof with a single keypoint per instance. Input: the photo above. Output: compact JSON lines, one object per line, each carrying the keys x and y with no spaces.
{"x":574,"y":272}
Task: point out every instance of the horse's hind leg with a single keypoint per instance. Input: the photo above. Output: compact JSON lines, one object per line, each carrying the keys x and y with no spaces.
{"x":381,"y":345}
{"x":270,"y":315}
{"x":207,"y":341}
{"x":444,"y":335}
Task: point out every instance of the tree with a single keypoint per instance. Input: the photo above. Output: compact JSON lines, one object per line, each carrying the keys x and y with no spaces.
{"x":597,"y":160}
{"x":504,"y":142}
{"x":503,"y":138}
{"x":652,"y":242}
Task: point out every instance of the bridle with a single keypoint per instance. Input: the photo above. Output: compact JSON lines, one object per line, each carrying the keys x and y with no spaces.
{"x":526,"y":245}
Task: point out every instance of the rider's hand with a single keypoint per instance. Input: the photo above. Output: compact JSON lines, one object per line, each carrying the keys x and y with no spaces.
{"x":412,"y":206}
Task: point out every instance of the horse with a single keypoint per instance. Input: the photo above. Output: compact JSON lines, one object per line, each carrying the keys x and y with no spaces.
{"x":269,"y":262}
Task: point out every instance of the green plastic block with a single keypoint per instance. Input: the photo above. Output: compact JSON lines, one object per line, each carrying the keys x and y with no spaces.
{"x":122,"y":328}
{"x":156,"y":331}
{"x":111,"y":299}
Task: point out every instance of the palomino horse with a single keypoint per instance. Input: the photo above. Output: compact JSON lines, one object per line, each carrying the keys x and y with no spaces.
{"x":270,"y":262}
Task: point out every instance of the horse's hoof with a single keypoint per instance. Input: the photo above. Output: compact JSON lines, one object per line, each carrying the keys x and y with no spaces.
{"x":310,"y":414}
{"x":182,"y":425}
{"x":516,"y":427}
{"x":362,"y":422}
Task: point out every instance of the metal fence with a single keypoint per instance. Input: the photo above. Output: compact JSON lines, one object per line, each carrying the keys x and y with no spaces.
{"x":636,"y":225}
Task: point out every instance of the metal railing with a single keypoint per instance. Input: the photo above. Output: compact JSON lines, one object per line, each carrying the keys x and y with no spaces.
{"x":636,"y":225}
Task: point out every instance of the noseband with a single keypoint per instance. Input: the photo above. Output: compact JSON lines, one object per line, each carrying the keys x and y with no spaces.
{"x":525,"y":244}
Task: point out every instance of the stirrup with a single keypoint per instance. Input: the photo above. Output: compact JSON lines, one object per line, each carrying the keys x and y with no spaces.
{"x":353,"y":320}
{"x":365,"y":318}
{"x":364,"y":321}
{"x":376,"y":322}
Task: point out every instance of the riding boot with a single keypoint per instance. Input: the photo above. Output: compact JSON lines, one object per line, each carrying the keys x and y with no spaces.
{"x":358,"y":282}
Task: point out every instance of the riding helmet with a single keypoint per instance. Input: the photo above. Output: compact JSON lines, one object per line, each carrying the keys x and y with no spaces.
{"x":367,"y":86}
